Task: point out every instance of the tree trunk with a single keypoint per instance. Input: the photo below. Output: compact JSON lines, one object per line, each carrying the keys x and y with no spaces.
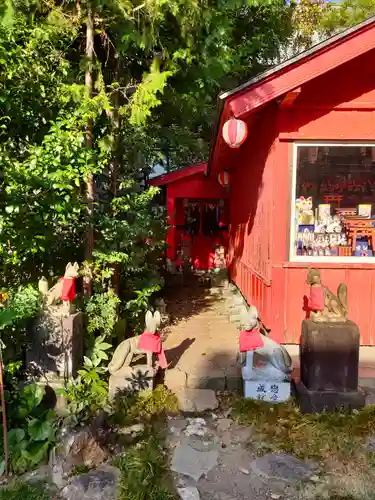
{"x":90,"y":190}
{"x":116,"y":161}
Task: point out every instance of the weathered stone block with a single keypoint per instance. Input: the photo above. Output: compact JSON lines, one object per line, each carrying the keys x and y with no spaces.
{"x":328,"y":401}
{"x":57,"y":345}
{"x":197,"y":400}
{"x":131,"y":379}
{"x":329,"y":355}
{"x":175,"y":379}
{"x":100,"y":484}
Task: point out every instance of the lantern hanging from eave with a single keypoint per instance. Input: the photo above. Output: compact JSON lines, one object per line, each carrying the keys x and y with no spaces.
{"x":234,"y":132}
{"x":224,"y":178}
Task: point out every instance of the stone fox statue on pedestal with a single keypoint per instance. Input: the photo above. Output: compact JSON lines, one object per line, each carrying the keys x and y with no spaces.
{"x":275,"y":362}
{"x":323,"y":304}
{"x":125,"y":351}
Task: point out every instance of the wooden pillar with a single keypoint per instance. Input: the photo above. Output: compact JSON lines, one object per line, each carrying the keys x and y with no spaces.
{"x":171,"y":235}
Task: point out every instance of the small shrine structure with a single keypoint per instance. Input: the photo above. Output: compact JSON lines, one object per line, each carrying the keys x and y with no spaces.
{"x":198,"y":214}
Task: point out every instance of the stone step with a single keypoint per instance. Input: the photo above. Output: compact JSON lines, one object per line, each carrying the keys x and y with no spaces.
{"x":217,"y":379}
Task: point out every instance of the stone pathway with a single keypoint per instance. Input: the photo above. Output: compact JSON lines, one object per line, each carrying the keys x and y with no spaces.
{"x":213,"y":459}
{"x":201,"y":343}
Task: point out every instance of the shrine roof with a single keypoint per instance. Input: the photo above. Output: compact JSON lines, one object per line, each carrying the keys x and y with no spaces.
{"x":287,"y":77}
{"x":178,"y":175}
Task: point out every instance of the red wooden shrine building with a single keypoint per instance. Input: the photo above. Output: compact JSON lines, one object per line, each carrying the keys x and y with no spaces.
{"x":301,"y":183}
{"x":198,"y":214}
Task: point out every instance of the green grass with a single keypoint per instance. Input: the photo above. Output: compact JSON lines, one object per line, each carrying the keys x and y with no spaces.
{"x":79,"y":469}
{"x":143,"y":406}
{"x":25,"y":491}
{"x":327,"y":438}
{"x":345,"y":487}
{"x":145,"y":472}
{"x":144,"y":467}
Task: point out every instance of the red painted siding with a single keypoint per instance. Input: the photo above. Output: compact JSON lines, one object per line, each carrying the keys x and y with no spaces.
{"x":339,"y":105}
{"x":251,"y":216}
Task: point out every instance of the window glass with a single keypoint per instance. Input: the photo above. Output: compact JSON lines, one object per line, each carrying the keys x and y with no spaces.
{"x":333,"y":212}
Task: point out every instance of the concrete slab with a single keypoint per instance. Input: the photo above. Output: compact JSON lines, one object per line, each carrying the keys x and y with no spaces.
{"x":282,"y":466}
{"x":196,"y":400}
{"x":193,"y":463}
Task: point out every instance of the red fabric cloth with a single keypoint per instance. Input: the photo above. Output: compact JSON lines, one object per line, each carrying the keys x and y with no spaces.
{"x":316,"y":300}
{"x":68,"y":291}
{"x":250,"y":341}
{"x":152,"y":342}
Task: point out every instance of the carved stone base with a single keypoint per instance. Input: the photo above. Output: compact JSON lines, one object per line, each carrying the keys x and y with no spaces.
{"x":329,"y":356}
{"x":57,"y":345}
{"x":311,"y":401}
{"x":131,"y":379}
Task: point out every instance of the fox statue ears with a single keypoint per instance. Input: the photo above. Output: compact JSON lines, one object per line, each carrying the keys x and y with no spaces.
{"x":71,"y":270}
{"x":152,"y":321}
{"x":250,"y":319}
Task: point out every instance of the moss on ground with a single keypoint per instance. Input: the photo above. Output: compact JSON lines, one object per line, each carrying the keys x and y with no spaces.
{"x":145,"y":473}
{"x":25,"y":491}
{"x":145,"y":406}
{"x":329,"y":437}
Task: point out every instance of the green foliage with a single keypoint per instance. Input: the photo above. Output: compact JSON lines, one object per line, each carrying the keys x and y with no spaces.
{"x":32,"y":428}
{"x":101,"y":312}
{"x":44,"y":214}
{"x":87,"y":395}
{"x":22,"y":306}
{"x":146,"y":96}
{"x":25,"y":491}
{"x":144,"y":406}
{"x":136,"y":308}
{"x":144,"y":472}
{"x":347,"y":13}
{"x":24,"y":302}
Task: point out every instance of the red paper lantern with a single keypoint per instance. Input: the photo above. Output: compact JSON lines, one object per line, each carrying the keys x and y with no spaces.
{"x":224,"y":178}
{"x":234,"y":132}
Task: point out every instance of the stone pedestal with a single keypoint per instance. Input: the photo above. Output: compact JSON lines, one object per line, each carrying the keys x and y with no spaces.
{"x":131,"y":379}
{"x":57,"y":345}
{"x":329,"y":357}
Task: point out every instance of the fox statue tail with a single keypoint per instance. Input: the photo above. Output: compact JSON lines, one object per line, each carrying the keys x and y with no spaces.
{"x":119,"y":357}
{"x":342,"y":295}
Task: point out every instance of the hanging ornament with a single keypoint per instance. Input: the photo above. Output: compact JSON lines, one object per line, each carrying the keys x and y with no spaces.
{"x":234,"y":132}
{"x":224,"y":178}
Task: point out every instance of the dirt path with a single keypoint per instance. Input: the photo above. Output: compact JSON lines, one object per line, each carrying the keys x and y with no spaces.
{"x":201,"y":342}
{"x":213,"y":458}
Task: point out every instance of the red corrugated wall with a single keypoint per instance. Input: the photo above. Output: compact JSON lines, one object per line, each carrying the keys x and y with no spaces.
{"x":261,"y":194}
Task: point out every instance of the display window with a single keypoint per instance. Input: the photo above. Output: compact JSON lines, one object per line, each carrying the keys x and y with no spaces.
{"x":333,"y":203}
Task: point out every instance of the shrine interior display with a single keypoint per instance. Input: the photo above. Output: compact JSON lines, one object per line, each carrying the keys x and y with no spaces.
{"x":335,"y":201}
{"x":202,"y":231}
